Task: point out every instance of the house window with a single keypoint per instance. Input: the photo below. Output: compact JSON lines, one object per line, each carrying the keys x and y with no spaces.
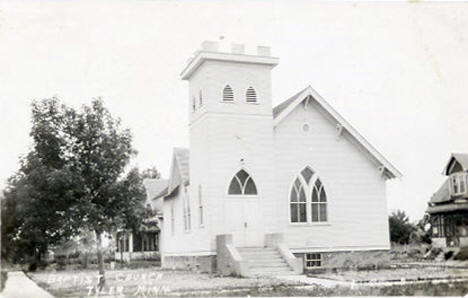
{"x":242,"y":184}
{"x":200,"y":205}
{"x":200,"y":98}
{"x":251,"y":95}
{"x":313,"y":260}
{"x":228,"y":95}
{"x":194,"y":105}
{"x":172,"y":219}
{"x":458,"y":182}
{"x":187,"y":215}
{"x":307,"y":198}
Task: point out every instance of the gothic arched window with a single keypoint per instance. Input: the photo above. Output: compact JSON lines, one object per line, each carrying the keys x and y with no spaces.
{"x":319,"y":202}
{"x":228,"y":95}
{"x":251,"y":95}
{"x":242,"y":184}
{"x":308,"y":199}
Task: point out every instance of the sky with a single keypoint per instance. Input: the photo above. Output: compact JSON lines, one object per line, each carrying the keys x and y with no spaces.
{"x":397,"y":71}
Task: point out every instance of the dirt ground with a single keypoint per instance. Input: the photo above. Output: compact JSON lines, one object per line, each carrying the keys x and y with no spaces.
{"x":154,"y":282}
{"x":398,"y":274}
{"x":145,"y":282}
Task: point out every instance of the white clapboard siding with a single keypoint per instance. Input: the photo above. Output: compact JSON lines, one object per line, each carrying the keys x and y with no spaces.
{"x":356,"y":192}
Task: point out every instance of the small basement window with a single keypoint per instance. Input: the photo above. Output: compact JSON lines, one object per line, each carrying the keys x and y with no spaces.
{"x":313,"y":260}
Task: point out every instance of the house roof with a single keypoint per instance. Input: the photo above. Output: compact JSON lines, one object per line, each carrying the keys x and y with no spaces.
{"x":461,"y":158}
{"x":179,"y":169}
{"x":451,"y":207}
{"x":285,"y":108}
{"x":442,"y":194}
{"x":155,"y":187}
{"x":182,"y":156}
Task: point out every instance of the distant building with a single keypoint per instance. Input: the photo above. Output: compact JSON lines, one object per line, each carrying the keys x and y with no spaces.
{"x":145,"y":243}
{"x":266,"y":190}
{"x":448,"y":207}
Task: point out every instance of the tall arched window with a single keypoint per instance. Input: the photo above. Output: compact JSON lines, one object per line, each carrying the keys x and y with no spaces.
{"x":242,"y":184}
{"x":251,"y":95}
{"x":319,"y":202}
{"x":298,"y":202}
{"x":228,"y":95}
{"x":308,"y":199}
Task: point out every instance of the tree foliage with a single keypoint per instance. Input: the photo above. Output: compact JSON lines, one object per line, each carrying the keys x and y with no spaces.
{"x":400,"y":227}
{"x":151,"y":173}
{"x":75,"y":178}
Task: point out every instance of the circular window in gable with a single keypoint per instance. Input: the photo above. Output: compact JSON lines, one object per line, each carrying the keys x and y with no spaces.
{"x":305,"y":128}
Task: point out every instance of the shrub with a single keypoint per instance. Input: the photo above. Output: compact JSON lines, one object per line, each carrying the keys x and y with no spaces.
{"x":448,"y":254}
{"x":462,"y":254}
{"x":400,"y":227}
{"x":3,"y":280}
{"x":433,"y":253}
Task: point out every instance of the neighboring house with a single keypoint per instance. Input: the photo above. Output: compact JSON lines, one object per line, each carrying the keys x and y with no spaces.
{"x":448,"y":207}
{"x":267,"y":190}
{"x":145,"y":243}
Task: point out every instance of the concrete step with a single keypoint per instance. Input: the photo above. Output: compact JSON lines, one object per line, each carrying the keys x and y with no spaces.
{"x":272,"y":273}
{"x":266,"y":262}
{"x":260,"y":254}
{"x":271,"y":264}
{"x":273,"y":267}
{"x":256,"y":249}
{"x":269,"y":271}
{"x":262,"y":258}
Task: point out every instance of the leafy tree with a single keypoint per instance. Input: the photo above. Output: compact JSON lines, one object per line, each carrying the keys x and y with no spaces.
{"x":151,"y":173}
{"x":400,"y":227}
{"x":76,"y":176}
{"x":39,"y":194}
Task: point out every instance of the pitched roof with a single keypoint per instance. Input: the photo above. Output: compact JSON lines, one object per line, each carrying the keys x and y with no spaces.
{"x":182,"y":156}
{"x":282,"y":110}
{"x":155,"y":187}
{"x":451,"y":207}
{"x":461,"y":158}
{"x":282,"y":106}
{"x":179,"y":169}
{"x":442,"y":194}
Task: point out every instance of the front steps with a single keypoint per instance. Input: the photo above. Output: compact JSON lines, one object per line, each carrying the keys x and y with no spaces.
{"x":264,"y":261}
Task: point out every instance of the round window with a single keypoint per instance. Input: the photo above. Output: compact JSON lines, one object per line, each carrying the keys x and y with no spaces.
{"x":305,"y":127}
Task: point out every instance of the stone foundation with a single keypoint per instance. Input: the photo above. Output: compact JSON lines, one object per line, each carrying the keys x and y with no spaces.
{"x":350,"y":259}
{"x":204,"y":264}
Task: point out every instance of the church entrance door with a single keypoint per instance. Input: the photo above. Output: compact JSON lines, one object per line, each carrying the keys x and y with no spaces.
{"x":244,"y":221}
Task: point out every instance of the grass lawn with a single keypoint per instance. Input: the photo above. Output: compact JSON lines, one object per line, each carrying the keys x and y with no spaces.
{"x":146,"y":282}
{"x":152,"y":282}
{"x":426,"y":273}
{"x":426,"y":289}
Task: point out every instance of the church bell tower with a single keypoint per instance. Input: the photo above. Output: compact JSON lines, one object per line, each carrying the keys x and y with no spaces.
{"x":231,"y":129}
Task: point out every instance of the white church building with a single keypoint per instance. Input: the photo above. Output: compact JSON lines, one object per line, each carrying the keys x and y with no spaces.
{"x":269,"y":190}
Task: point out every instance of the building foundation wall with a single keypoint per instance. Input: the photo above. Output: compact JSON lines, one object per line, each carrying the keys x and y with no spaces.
{"x":203,"y":264}
{"x":350,"y":259}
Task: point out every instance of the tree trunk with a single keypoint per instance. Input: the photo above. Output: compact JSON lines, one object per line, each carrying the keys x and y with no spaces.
{"x":100,"y":259}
